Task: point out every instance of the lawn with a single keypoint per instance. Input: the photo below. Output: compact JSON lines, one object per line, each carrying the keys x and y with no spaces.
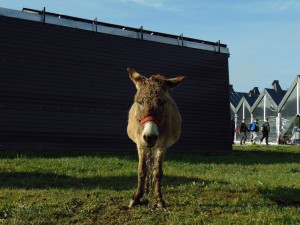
{"x":253,"y":185}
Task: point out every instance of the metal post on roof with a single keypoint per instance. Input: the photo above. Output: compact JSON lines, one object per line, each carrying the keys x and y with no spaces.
{"x":219,"y":46}
{"x":181,"y":38}
{"x":142,"y":32}
{"x":44,"y":15}
{"x":95,"y":22}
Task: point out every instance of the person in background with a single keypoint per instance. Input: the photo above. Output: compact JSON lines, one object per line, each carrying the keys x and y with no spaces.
{"x":295,"y":129}
{"x":243,"y":132}
{"x":232,"y":130}
{"x":265,"y":129}
{"x":254,"y":131}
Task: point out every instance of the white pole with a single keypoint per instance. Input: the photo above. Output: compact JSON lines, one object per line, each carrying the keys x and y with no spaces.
{"x":235,"y":126}
{"x":298,"y":98}
{"x":243,"y":110}
{"x":278,"y":125}
{"x":265,"y":99}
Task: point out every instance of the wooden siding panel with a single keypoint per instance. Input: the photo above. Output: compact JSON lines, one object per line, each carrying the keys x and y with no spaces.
{"x":69,"y":88}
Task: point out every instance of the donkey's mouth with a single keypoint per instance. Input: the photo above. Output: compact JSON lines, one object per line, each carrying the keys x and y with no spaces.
{"x":150,"y":140}
{"x":150,"y":146}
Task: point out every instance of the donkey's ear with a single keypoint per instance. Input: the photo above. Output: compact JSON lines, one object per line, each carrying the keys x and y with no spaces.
{"x":135,"y":77}
{"x":172,"y":82}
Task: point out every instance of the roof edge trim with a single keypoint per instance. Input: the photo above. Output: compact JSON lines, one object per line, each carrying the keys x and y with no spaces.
{"x":99,"y":27}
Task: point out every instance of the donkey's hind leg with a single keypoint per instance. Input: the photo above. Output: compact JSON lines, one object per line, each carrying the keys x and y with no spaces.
{"x":142,"y":174}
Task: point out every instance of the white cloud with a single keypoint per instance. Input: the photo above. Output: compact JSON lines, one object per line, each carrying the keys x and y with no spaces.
{"x":270,"y":6}
{"x":149,"y":3}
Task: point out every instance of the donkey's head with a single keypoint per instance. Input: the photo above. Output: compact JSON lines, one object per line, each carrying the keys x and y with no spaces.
{"x":153,"y":105}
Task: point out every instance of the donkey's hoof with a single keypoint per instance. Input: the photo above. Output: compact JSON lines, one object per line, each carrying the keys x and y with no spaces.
{"x":161,"y":204}
{"x":134,"y":203}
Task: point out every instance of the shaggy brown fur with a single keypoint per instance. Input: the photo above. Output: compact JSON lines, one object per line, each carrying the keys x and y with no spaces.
{"x":153,"y":102}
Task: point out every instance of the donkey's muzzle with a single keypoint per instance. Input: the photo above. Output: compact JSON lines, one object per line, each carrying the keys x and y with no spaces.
{"x":150,"y":140}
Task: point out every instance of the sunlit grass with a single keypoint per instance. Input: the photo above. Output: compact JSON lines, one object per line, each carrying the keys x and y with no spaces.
{"x":253,"y":185}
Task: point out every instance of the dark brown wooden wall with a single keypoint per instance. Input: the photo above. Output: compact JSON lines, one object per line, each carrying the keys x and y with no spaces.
{"x":65,"y":88}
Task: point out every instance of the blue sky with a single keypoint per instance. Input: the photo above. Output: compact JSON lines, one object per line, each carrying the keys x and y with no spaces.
{"x":263,"y":36}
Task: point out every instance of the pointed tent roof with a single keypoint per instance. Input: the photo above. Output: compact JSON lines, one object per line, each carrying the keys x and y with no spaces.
{"x":275,"y":95}
{"x":249,"y":99}
{"x":235,"y":97}
{"x":288,"y":92}
{"x":252,"y":96}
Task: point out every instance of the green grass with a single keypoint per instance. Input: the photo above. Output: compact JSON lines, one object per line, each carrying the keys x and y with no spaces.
{"x":253,"y":185}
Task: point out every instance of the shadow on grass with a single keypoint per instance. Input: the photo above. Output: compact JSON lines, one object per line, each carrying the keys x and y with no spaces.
{"x":35,"y":180}
{"x":244,"y":157}
{"x":12,"y":154}
{"x":283,"y":196}
{"x":238,"y":157}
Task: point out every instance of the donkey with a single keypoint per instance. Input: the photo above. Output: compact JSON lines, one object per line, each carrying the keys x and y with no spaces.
{"x":154,"y":124}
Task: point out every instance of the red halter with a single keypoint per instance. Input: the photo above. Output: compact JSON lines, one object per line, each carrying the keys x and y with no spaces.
{"x":150,"y":118}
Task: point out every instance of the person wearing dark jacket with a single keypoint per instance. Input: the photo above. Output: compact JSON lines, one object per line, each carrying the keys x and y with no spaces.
{"x":265,"y":131}
{"x":243,"y":132}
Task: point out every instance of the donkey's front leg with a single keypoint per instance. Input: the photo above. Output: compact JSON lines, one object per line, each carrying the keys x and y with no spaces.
{"x":142,"y":174}
{"x":157,"y":177}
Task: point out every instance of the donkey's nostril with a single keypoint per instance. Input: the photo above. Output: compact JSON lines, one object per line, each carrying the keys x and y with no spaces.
{"x":150,"y":139}
{"x":153,"y":138}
